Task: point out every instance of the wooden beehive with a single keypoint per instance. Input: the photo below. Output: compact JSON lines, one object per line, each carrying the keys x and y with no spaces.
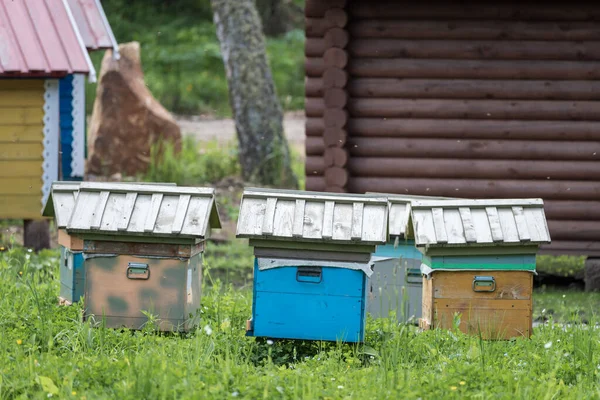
{"x":478,"y":263}
{"x":312,"y":259}
{"x":142,"y":247}
{"x":60,"y":204}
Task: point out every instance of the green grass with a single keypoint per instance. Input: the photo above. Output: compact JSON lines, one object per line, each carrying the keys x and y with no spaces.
{"x":48,"y":351}
{"x":181,"y":57}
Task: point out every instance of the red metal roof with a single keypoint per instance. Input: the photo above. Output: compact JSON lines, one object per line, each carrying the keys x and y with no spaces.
{"x":93,"y":25}
{"x":38,"y":39}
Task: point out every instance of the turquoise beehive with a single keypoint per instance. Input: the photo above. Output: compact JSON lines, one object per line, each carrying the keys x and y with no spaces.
{"x":312,"y":260}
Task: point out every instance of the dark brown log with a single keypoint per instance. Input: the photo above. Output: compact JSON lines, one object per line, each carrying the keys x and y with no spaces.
{"x":316,"y":27}
{"x":574,"y":230}
{"x":315,"y":126}
{"x":335,"y":156}
{"x":336,"y":189}
{"x":335,"y":78}
{"x":314,"y":146}
{"x":335,"y":137}
{"x":335,"y":98}
{"x":313,"y":87}
{"x":573,"y":247}
{"x":473,"y":188}
{"x":474,"y":149}
{"x":472,"y":89}
{"x":337,"y":37}
{"x":36,"y":234}
{"x":335,"y":118}
{"x":473,"y":69}
{"x":315,"y":183}
{"x":475,"y":49}
{"x":314,"y":47}
{"x":445,"y":10}
{"x":476,"y":169}
{"x":336,"y":176}
{"x":474,"y":129}
{"x":572,"y":210}
{"x":314,"y":107}
{"x":315,"y":165}
{"x":474,"y":30}
{"x":335,"y":58}
{"x":314,"y":66}
{"x":476,"y":109}
{"x":337,"y":17}
{"x":318,"y":8}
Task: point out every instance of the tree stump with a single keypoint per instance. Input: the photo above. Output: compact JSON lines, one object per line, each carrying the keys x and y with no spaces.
{"x":36,"y":234}
{"x":592,"y":274}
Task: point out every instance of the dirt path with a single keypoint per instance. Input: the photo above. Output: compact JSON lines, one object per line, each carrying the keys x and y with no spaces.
{"x":223,"y":130}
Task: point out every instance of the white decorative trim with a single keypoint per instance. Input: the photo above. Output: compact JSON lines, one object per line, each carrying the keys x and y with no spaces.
{"x":113,"y":40}
{"x":78,"y":113}
{"x":51,"y":136}
{"x":92,"y":73}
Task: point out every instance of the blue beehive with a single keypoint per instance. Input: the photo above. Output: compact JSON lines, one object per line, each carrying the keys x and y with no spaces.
{"x":312,"y":260}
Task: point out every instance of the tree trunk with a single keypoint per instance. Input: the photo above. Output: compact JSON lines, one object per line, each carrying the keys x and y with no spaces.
{"x":592,"y":274}
{"x":279,"y":16}
{"x":36,"y":234}
{"x":264,"y":153}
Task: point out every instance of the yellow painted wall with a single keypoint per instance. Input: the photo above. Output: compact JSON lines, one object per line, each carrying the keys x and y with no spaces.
{"x":21,"y":147}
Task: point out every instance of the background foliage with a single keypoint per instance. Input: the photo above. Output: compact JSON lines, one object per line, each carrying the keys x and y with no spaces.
{"x":181,"y":57}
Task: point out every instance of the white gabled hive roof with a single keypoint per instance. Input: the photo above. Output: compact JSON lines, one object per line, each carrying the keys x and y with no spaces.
{"x":287,"y":215}
{"x":463,"y":223}
{"x":144,"y":210}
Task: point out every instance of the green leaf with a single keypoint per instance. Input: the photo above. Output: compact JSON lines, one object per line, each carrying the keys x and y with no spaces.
{"x":47,"y":384}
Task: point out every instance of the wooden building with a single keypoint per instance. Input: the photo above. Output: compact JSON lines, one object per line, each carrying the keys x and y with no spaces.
{"x":479,"y":257}
{"x":460,"y":99}
{"x":142,"y":248}
{"x":312,"y":260}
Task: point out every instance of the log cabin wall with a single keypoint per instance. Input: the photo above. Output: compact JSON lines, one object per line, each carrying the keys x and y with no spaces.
{"x":473,"y":99}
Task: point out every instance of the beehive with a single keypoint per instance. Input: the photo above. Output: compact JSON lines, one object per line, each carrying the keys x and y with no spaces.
{"x":478,"y":262}
{"x":142,"y":247}
{"x":396,"y":284}
{"x":312,"y":260}
{"x":60,"y":204}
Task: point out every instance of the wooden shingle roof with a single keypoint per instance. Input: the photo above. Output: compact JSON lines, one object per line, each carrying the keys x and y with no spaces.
{"x":462,"y":223}
{"x":312,"y":217}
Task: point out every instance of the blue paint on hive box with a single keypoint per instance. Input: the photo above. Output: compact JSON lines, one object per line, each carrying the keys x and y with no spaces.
{"x":66,"y":124}
{"x":396,"y":284}
{"x":331,"y":308}
{"x":72,"y":275}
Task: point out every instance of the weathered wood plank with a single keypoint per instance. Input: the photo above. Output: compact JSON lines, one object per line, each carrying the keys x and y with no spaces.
{"x":153,"y":212}
{"x":357,"y":221}
{"x":182,"y":208}
{"x":492,"y":214}
{"x":521,"y":224}
{"x":467,"y":221}
{"x":328,"y":220}
{"x":299,"y":218}
{"x":269,"y":217}
{"x":439,"y":225}
{"x":130,"y":199}
{"x":99,"y":210}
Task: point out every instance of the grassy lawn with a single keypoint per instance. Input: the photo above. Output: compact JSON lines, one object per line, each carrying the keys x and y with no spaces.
{"x":47,"y":351}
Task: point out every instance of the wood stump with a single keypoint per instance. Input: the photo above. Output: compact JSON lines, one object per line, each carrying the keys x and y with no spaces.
{"x":592,"y":274}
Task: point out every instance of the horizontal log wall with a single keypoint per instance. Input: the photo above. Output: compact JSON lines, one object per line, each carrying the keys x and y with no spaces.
{"x":463,"y":99}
